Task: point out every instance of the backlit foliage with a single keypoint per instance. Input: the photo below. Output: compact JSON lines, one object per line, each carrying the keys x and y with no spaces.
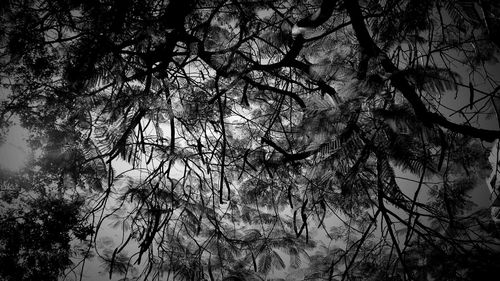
{"x":246,"y":140}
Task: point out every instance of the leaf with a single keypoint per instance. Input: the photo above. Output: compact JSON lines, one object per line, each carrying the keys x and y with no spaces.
{"x":434,"y":80}
{"x":390,"y":187}
{"x":277,"y":261}
{"x":295,"y":260}
{"x":252,"y":235}
{"x":329,"y":148}
{"x":116,"y":263}
{"x":265,"y":262}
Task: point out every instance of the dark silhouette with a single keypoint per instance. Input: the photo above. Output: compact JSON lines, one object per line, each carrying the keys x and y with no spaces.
{"x":244,"y":140}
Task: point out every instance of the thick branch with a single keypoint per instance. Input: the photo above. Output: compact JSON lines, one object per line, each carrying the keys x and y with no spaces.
{"x":297,"y":46}
{"x":369,"y":47}
{"x":320,"y":16}
{"x":288,"y":156}
{"x":311,"y":21}
{"x":259,"y":86}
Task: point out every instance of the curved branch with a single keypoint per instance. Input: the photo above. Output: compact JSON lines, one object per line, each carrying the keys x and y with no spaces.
{"x":368,"y":47}
{"x":312,"y":21}
{"x":320,"y":16}
{"x":259,"y":86}
{"x":286,"y":155}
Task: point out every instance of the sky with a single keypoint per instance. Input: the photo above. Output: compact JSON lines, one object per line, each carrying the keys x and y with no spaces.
{"x":14,"y":151}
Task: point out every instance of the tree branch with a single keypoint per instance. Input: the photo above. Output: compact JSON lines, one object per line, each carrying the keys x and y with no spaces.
{"x":320,"y":16}
{"x":369,"y":47}
{"x":288,"y":156}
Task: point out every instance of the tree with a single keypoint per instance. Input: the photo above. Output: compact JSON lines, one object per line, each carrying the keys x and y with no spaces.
{"x":254,"y":123}
{"x":37,"y":228}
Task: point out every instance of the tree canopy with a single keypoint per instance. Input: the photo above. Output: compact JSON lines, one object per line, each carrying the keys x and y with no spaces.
{"x":252,"y":140}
